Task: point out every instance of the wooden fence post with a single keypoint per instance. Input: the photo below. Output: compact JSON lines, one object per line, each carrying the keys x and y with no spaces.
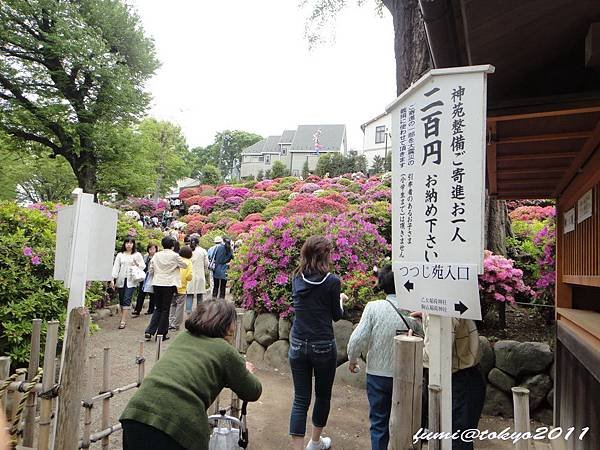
{"x":4,"y":374}
{"x":521,"y":409}
{"x":47,"y":383}
{"x":87,"y":420}
{"x":238,"y":341}
{"x":106,"y":402}
{"x":435,"y":416}
{"x":34,"y":362}
{"x":72,"y":388}
{"x":405,"y":418}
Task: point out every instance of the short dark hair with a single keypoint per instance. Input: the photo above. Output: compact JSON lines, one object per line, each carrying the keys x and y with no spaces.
{"x":185,"y":252}
{"x":385,"y":279}
{"x":176,"y":245}
{"x":125,"y":241}
{"x":212,"y":318}
{"x":150,"y":245}
{"x":167,"y":242}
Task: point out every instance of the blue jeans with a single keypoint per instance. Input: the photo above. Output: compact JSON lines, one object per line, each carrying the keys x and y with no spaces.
{"x":189,"y":301}
{"x":306,"y":358}
{"x":379,"y":393}
{"x":125,"y":296}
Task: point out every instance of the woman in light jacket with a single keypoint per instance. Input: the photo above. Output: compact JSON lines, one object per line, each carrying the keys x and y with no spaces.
{"x":122,"y":275}
{"x":198,"y":286}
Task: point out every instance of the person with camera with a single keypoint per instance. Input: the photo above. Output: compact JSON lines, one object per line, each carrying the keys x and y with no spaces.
{"x":127,"y":273}
{"x":317,"y":303}
{"x":374,"y":339}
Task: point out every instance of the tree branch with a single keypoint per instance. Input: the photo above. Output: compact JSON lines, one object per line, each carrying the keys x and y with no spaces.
{"x":35,"y":138}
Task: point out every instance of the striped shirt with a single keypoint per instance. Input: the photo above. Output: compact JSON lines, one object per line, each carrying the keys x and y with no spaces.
{"x":465,"y":344}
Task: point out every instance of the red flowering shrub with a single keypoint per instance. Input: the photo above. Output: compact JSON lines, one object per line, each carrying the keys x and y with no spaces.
{"x":304,"y":204}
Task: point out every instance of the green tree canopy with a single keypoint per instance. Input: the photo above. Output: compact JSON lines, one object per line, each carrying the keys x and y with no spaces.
{"x":305,"y":170}
{"x":225,"y":153}
{"x":68,"y":70}
{"x":279,"y":170}
{"x":211,"y":175}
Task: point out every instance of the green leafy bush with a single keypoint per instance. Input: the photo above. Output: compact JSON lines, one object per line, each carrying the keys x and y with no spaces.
{"x":27,"y":286}
{"x":207,"y":241}
{"x":253,"y":205}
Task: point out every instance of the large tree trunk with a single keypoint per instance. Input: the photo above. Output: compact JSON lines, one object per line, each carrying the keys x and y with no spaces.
{"x":86,"y":171}
{"x":413,"y":60}
{"x":410,"y":42}
{"x":497,"y":225}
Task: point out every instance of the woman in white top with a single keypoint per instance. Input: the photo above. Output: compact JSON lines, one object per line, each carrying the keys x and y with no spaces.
{"x":197,"y":287}
{"x":123,"y":276}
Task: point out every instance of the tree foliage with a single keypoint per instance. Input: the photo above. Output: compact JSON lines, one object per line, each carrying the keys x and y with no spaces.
{"x":279,"y":170}
{"x":225,"y":153}
{"x":69,"y":70}
{"x":305,"y":170}
{"x":378,"y":164}
{"x":210,"y":174}
{"x":336,"y":164}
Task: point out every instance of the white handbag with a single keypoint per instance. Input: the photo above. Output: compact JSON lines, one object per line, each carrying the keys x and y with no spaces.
{"x":137,"y":274}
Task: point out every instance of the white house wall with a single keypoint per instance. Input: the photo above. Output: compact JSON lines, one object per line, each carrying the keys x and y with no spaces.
{"x":370,"y":148}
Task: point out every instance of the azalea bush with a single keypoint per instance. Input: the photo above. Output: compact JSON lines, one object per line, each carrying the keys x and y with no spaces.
{"x":500,"y":283}
{"x":262,"y":271}
{"x":27,"y":286}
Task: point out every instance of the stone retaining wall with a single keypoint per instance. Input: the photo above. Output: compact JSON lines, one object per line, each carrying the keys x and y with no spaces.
{"x":504,"y":365}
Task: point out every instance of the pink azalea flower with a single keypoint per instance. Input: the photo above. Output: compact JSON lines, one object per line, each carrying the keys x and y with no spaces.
{"x":27,"y":251}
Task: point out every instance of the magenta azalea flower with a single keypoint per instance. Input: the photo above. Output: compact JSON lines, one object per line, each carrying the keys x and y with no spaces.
{"x":27,"y":251}
{"x":36,"y":260}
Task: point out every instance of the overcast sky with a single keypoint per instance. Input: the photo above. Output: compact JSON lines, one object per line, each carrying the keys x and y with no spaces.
{"x":245,"y":64}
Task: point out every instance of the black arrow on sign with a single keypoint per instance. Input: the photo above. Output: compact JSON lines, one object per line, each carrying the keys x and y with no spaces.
{"x":461,"y":307}
{"x":409,"y":286}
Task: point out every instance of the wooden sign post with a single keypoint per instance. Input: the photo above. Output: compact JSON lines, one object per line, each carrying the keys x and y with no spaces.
{"x":438,"y":204}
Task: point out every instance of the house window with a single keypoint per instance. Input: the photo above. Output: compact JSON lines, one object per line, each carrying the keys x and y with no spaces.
{"x":267,"y":159}
{"x":295,"y":173}
{"x":283,"y":150}
{"x":380,"y":134}
{"x":261,"y":158}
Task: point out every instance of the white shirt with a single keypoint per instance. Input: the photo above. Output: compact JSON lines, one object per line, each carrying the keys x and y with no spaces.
{"x":164,"y":267}
{"x":199,"y":267}
{"x":122,"y":268}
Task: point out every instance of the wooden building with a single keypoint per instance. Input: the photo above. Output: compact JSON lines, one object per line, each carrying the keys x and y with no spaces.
{"x":544,"y":142}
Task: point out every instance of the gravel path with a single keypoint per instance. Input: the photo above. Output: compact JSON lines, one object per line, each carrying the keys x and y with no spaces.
{"x":268,"y":418}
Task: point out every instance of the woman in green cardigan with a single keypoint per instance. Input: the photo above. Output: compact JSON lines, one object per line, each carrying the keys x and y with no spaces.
{"x":168,"y":412}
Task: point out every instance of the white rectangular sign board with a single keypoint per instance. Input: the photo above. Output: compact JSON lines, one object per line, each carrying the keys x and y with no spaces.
{"x":569,"y":221}
{"x":584,"y":206}
{"x":438,"y":168}
{"x":101,"y":229}
{"x":449,"y":290}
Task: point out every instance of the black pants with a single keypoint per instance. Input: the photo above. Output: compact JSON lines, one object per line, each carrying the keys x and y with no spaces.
{"x":468,"y":396}
{"x":139,"y":436}
{"x":141,"y":296}
{"x":159,"y":323}
{"x":219,"y":288}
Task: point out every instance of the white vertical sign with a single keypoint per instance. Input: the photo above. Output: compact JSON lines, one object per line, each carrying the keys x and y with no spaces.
{"x":569,"y":218}
{"x":438,"y":206}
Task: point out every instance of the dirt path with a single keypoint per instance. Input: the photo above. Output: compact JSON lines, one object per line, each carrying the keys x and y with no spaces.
{"x":268,"y":419}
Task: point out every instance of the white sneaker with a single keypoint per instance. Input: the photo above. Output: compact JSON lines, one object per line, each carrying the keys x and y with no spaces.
{"x":323,"y":444}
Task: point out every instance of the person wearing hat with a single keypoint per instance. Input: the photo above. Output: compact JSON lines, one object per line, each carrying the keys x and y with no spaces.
{"x":211,"y":251}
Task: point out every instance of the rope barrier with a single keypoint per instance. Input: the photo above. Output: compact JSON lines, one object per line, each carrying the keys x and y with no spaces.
{"x":14,"y":429}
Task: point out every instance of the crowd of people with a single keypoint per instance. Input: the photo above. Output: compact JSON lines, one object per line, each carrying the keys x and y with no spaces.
{"x":173,"y":277}
{"x":200,"y":362}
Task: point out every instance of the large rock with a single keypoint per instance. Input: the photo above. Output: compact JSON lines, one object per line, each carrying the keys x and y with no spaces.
{"x":248,"y":320}
{"x":285,"y":326}
{"x":345,"y":377}
{"x":342,"y":329}
{"x":486,"y":356}
{"x":255,"y":353}
{"x":524,"y":358}
{"x":539,"y":386}
{"x":276,"y":355}
{"x":497,"y":403}
{"x":266,"y":329}
{"x":249,"y":337}
{"x":502,"y":380}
